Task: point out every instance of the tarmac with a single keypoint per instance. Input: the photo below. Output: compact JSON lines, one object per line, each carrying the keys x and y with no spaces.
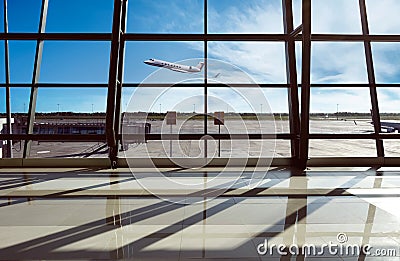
{"x":227,"y":148}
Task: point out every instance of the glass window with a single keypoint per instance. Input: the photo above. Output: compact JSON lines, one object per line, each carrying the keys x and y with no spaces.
{"x":146,"y":111}
{"x":392,"y":148}
{"x":187,"y":53}
{"x":66,"y":61}
{"x":2,"y":64}
{"x":69,"y":111}
{"x":20,"y":99}
{"x":21,"y":58}
{"x":389,"y":100}
{"x":297,"y":9}
{"x":80,"y":16}
{"x":335,"y":16}
{"x":3,"y":100}
{"x":76,"y":100}
{"x":383,"y":16}
{"x":262,"y":62}
{"x":386,"y":57}
{"x":253,"y":16}
{"x":159,"y":16}
{"x":342,"y":148}
{"x":338,"y":63}
{"x":28,"y":10}
{"x":340,"y":110}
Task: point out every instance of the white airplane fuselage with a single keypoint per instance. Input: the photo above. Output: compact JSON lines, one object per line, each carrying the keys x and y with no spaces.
{"x":174,"y":66}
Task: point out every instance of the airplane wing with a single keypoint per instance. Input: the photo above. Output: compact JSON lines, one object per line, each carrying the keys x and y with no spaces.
{"x":178,"y":70}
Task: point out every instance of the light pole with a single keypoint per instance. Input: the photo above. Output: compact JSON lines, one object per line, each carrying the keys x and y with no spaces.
{"x":92,"y":107}
{"x":194,"y":108}
{"x":160,"y":108}
{"x":337,"y":111}
{"x":58,"y":107}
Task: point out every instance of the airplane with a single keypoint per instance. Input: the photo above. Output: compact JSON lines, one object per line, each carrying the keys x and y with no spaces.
{"x":389,"y":126}
{"x":175,"y":67}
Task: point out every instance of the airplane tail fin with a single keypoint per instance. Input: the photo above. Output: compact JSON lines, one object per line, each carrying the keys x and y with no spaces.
{"x":200,"y":65}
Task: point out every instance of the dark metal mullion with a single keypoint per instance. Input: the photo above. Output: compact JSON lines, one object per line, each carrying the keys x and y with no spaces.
{"x":112,"y":83}
{"x":196,"y":37}
{"x":185,"y":85}
{"x":8,"y":93}
{"x":120,"y":71}
{"x":281,"y":136}
{"x":56,"y":36}
{"x":35,"y":77}
{"x":371,"y":78}
{"x":204,"y":36}
{"x":352,"y":38}
{"x":291,"y":78}
{"x":305,"y":84}
{"x":205,"y":42}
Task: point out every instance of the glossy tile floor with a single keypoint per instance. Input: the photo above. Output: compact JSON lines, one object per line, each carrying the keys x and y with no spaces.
{"x":67,"y":214}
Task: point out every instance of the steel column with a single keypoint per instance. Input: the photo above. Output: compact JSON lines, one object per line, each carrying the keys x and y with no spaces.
{"x":113,"y":83}
{"x":205,"y":79}
{"x":371,"y":78}
{"x":8,"y":94}
{"x":35,"y":77}
{"x":291,"y":78}
{"x":120,"y":76}
{"x":305,"y":84}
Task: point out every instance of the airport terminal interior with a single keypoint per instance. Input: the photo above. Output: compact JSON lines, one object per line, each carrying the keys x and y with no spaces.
{"x":199,"y":130}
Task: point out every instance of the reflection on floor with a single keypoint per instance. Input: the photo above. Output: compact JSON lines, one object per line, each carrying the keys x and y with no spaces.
{"x":102,"y":214}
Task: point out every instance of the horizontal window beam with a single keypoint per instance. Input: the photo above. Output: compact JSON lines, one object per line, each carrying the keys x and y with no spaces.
{"x":101,"y":137}
{"x":56,"y":36}
{"x":195,"y":37}
{"x":211,"y":85}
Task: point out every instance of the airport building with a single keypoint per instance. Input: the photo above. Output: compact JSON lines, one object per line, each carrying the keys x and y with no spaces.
{"x":199,"y":129}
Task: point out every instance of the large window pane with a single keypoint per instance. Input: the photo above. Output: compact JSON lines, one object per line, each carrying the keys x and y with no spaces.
{"x":23,"y":16}
{"x":187,"y":53}
{"x":342,"y":148}
{"x":2,"y":100}
{"x":340,"y":110}
{"x":338,"y":63}
{"x":392,"y":148}
{"x":159,"y":16}
{"x":82,"y":62}
{"x":253,"y":16}
{"x":262,"y":62}
{"x":386,"y":62}
{"x":79,"y":16}
{"x":71,"y":111}
{"x":20,"y":99}
{"x":146,"y":112}
{"x":76,"y":100}
{"x":2,"y":65}
{"x":335,"y":16}
{"x":389,"y":105}
{"x":383,"y":16}
{"x":247,"y":111}
{"x":22,"y":58}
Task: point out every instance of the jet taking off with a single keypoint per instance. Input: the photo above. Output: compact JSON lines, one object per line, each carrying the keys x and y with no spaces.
{"x":175,"y":67}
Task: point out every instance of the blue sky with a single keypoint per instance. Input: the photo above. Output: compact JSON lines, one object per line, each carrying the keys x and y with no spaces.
{"x":88,"y":62}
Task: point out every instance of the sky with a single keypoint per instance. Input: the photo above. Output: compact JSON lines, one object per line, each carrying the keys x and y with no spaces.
{"x":88,"y":62}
